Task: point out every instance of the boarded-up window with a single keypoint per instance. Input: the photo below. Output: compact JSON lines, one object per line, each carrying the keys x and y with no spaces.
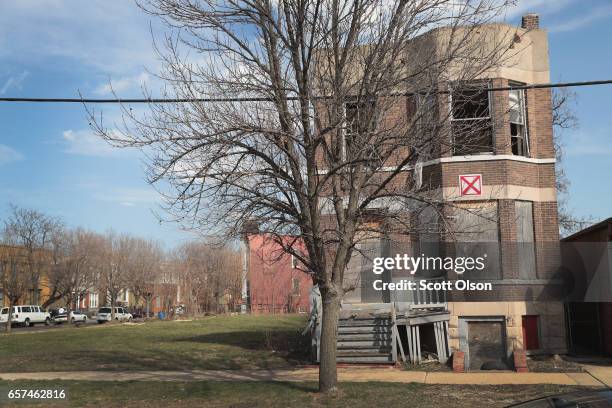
{"x":429,"y":228}
{"x":358,"y":276}
{"x":525,"y":239}
{"x":475,"y":228}
{"x":486,"y":348}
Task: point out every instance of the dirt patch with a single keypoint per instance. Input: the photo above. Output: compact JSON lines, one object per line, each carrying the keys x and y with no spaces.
{"x":433,"y":366}
{"x":487,"y":396}
{"x":552,"y":364}
{"x":536,"y":364}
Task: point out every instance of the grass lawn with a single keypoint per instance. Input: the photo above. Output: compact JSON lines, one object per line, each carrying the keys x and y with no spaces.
{"x":251,"y":394}
{"x":222,"y":342}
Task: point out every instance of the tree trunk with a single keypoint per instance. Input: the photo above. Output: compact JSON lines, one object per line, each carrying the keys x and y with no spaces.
{"x":148,"y":307}
{"x":112,"y":308}
{"x":52,"y":299}
{"x":68,"y":309}
{"x":9,"y":318}
{"x":328,"y":377}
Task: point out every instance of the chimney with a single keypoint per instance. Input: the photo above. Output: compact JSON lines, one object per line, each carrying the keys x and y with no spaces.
{"x":530,"y":21}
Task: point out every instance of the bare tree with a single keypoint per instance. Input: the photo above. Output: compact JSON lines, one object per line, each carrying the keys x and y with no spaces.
{"x":113,"y":266}
{"x":334,"y":104}
{"x":564,"y":118}
{"x":143,"y":270}
{"x":33,"y":231}
{"x":74,"y":268}
{"x":206,"y":272}
{"x":13,"y":262}
{"x":56,"y":274}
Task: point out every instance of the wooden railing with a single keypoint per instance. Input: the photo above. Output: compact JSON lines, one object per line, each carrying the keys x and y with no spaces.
{"x":429,"y":298}
{"x":422,"y":299}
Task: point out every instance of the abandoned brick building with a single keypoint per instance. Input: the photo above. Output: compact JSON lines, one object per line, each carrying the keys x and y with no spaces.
{"x":509,"y":175}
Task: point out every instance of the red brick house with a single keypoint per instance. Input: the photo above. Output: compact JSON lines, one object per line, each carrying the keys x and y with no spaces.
{"x":274,"y":282}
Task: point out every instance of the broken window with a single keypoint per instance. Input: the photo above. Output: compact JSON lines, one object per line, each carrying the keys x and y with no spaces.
{"x":518,"y":123}
{"x":471,"y":128}
{"x":359,"y":121}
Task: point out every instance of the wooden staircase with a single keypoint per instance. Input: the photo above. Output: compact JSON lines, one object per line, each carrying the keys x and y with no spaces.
{"x":365,"y":338}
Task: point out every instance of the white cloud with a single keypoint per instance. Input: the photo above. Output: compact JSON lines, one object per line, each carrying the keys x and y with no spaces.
{"x":9,"y":155}
{"x":123,"y":84}
{"x":582,"y":20}
{"x":537,"y":6}
{"x":132,"y":196}
{"x":125,"y":196}
{"x":84,"y":142}
{"x":111,"y":36}
{"x":14,"y":82}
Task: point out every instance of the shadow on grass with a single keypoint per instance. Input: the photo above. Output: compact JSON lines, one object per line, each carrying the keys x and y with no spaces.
{"x":152,"y":360}
{"x":290,"y":345}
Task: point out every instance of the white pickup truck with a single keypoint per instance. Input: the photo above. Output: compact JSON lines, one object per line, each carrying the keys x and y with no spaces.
{"x":26,"y":315}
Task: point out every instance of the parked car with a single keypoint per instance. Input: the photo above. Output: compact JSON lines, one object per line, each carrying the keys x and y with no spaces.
{"x":75,"y":316}
{"x":27,"y":315}
{"x":104,"y":314}
{"x":180,"y":310}
{"x":53,"y":313}
{"x":137,"y":314}
{"x":591,"y":399}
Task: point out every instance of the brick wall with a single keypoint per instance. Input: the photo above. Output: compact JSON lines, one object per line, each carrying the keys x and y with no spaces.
{"x":539,"y":116}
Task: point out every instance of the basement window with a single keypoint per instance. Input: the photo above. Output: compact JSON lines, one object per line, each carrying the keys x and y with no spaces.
{"x":518,"y":123}
{"x":472,"y":132}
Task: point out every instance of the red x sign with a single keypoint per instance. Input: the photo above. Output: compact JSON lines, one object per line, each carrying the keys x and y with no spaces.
{"x":470,"y":184}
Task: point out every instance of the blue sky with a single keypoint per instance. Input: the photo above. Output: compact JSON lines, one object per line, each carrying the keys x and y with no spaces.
{"x":49,"y":159}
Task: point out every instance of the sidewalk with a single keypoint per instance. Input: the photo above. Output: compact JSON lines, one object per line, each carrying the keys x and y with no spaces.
{"x":602,"y":377}
{"x":602,"y":373}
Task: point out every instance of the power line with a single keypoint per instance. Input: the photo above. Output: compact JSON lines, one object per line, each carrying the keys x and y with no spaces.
{"x":292,"y":98}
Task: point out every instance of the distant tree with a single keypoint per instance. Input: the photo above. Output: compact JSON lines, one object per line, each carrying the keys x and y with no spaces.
{"x":564,"y":118}
{"x":33,"y":231}
{"x":56,"y":274}
{"x":75,"y":258}
{"x":143,"y":270}
{"x":12,"y":277}
{"x":207,"y":271}
{"x":113,"y":266}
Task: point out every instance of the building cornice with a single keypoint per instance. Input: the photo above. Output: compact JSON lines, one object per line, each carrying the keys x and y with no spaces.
{"x":467,"y":159}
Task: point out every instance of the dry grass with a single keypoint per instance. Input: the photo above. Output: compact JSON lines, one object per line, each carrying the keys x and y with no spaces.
{"x":222,"y":342}
{"x":277,"y":394}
